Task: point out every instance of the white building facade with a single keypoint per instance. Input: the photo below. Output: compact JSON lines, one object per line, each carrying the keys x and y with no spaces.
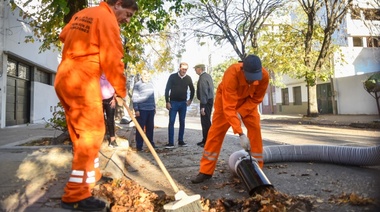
{"x":359,"y":58}
{"x":27,"y":76}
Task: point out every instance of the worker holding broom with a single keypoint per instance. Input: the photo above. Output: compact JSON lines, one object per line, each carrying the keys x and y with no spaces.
{"x":92,"y":46}
{"x":242,"y":89}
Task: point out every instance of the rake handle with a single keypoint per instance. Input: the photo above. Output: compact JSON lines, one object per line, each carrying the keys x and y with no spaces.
{"x":154,"y":153}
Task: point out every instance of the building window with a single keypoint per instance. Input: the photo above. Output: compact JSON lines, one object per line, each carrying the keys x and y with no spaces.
{"x":373,"y":41}
{"x":357,"y":41}
{"x":297,"y":95}
{"x":18,"y":69}
{"x":371,"y":14}
{"x":42,"y":76}
{"x":12,"y":68}
{"x":285,"y":96}
{"x":23,"y":71}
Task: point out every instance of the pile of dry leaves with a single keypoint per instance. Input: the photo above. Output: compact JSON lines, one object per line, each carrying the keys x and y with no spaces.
{"x":127,"y":195}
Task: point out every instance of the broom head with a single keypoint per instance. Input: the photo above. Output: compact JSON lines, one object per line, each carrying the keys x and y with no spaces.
{"x":184,"y":203}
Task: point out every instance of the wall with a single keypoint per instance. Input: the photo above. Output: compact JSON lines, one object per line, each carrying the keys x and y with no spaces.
{"x":352,"y":98}
{"x":352,"y":66}
{"x":291,"y":108}
{"x":2,"y":65}
{"x":12,"y":35}
{"x":16,"y":30}
{"x":357,"y":61}
{"x":43,"y":107}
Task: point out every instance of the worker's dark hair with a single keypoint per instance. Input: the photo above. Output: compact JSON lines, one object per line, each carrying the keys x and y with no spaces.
{"x":125,"y":4}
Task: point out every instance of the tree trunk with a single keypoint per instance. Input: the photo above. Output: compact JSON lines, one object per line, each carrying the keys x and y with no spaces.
{"x":61,"y":138}
{"x":377,"y":103}
{"x":313,"y":103}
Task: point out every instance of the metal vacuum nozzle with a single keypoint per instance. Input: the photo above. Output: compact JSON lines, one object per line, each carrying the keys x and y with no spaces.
{"x":247,"y":168}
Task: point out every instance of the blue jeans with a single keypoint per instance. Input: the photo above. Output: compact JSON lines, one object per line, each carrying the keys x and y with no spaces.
{"x":180,"y":108}
{"x":146,"y":121}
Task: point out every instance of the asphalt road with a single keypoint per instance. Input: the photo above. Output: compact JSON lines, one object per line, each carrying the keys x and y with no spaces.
{"x":319,"y":182}
{"x":38,"y":174}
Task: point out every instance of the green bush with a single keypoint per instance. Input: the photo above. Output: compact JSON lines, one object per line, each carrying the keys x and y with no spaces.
{"x":58,"y":121}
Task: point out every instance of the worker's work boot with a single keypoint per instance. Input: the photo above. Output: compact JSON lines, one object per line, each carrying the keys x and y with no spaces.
{"x":88,"y":204}
{"x":200,"y":178}
{"x":113,"y":144}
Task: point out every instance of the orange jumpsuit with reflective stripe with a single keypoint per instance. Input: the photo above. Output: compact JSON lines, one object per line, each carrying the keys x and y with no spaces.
{"x":234,"y":95}
{"x":92,"y":45}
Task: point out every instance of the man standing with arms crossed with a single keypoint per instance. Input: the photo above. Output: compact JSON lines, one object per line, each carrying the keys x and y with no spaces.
{"x":205,"y":95}
{"x":177,"y":102}
{"x":92,"y":46}
{"x":242,"y":89}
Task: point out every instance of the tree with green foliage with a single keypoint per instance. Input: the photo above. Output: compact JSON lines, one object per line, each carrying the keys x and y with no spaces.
{"x":372,"y":86}
{"x":282,"y":46}
{"x":50,"y":16}
{"x":281,"y":50}
{"x":328,"y":15}
{"x":218,"y":71}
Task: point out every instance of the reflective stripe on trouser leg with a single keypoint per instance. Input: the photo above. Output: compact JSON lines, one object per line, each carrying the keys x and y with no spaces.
{"x":252,"y":123}
{"x":85,"y":122}
{"x":96,"y":163}
{"x":259,"y":158}
{"x":76,"y":191}
{"x":79,"y":177}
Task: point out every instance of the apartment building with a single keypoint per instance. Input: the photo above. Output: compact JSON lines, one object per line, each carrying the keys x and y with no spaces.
{"x":359,"y":57}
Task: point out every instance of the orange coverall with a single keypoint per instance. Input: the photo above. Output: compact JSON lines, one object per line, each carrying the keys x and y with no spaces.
{"x":234,"y":95}
{"x":92,"y":45}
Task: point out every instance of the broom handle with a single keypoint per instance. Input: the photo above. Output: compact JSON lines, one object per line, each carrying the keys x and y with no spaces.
{"x":154,"y":153}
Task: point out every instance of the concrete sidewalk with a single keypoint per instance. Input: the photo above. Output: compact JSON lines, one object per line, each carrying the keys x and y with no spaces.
{"x":32,"y":177}
{"x":337,"y":120}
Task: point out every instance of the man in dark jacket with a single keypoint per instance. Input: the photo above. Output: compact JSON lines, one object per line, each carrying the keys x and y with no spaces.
{"x":205,"y":95}
{"x":177,"y":101}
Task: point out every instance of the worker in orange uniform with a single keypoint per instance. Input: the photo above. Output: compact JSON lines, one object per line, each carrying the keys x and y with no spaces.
{"x":242,"y":89}
{"x":92,"y":46}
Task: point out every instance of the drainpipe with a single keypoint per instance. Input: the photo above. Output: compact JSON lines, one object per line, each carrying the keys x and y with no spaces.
{"x":333,"y":95}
